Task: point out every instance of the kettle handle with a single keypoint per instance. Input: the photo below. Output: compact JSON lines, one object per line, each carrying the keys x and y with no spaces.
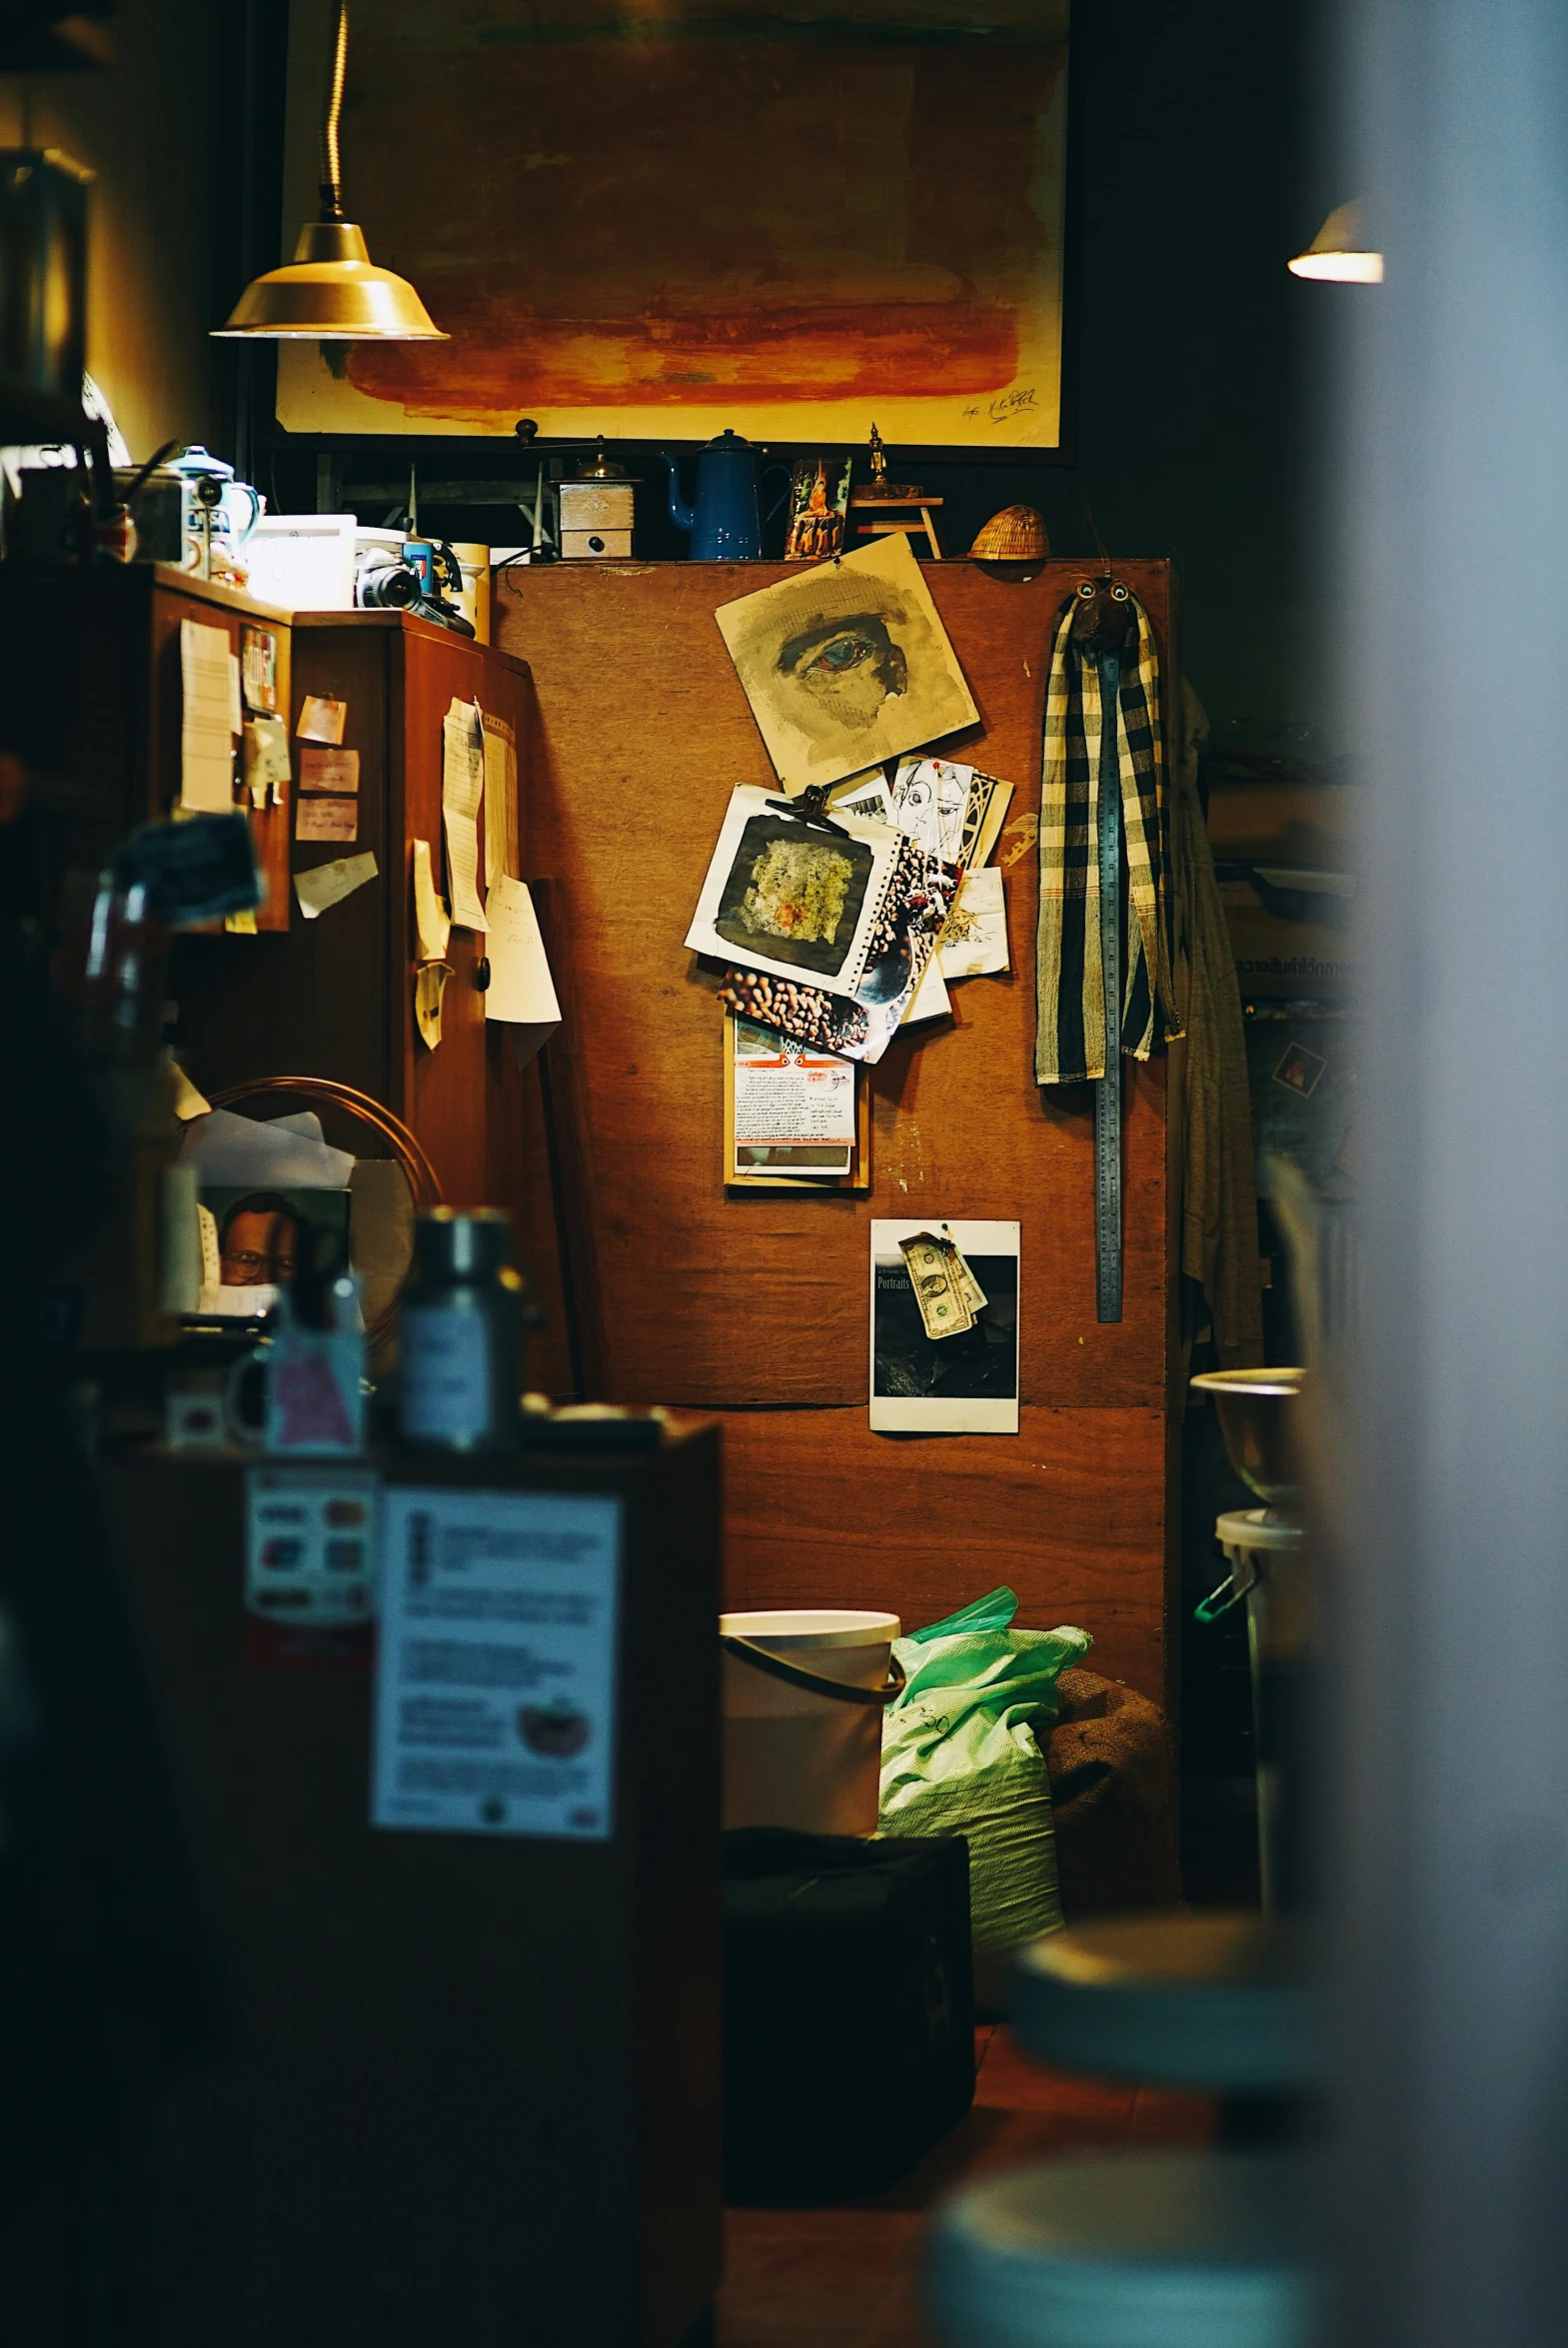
{"x":778,"y":465}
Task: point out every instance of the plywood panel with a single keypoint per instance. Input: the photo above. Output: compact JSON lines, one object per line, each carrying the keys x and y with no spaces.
{"x":712,"y":1300}
{"x":821,"y":1512}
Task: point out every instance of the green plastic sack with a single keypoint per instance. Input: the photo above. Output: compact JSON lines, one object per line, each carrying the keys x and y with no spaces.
{"x":961,"y":1757}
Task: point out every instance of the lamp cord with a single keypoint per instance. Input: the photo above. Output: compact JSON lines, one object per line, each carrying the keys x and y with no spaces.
{"x":331,"y":162}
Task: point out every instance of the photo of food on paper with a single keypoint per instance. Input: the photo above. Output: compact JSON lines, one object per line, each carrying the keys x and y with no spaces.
{"x":792,"y":900}
{"x":944,"y":1327}
{"x":846,"y":665}
{"x":910,"y":913}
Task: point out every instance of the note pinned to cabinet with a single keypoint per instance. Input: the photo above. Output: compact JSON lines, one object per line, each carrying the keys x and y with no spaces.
{"x":461,"y":790}
{"x":502,"y":844}
{"x":431,"y":924}
{"x":207,"y":719}
{"x":328,"y":885}
{"x":266,"y":759}
{"x":521,"y":990}
{"x":430,"y":984}
{"x":321,"y":720}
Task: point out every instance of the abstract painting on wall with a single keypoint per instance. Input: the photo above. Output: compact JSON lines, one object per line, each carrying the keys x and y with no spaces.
{"x":653,"y":218}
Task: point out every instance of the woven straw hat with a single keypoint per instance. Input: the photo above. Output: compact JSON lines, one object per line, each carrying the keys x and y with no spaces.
{"x":1015,"y":535}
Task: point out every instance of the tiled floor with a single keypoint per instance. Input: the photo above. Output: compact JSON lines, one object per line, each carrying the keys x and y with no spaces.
{"x":849,"y":2277}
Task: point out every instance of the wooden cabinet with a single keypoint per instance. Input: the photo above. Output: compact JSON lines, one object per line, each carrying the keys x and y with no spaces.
{"x":91,"y":703}
{"x":335,"y":996}
{"x":472,"y":2088}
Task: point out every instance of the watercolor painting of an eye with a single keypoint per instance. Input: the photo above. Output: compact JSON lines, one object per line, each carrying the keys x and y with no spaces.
{"x":846,"y":665}
{"x":842,"y":652}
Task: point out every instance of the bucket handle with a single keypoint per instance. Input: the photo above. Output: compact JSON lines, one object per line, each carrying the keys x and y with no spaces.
{"x":777,"y":1668}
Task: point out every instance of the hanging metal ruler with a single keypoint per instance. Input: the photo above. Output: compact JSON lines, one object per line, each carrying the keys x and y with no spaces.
{"x":1108,"y":1092}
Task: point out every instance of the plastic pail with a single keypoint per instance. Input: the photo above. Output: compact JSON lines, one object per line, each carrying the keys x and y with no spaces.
{"x":804,"y":1696}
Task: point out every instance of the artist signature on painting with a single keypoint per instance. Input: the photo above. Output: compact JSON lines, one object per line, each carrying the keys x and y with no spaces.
{"x":1007,"y":404}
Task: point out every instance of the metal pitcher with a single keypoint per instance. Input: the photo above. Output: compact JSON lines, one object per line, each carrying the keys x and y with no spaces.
{"x":724,"y":522}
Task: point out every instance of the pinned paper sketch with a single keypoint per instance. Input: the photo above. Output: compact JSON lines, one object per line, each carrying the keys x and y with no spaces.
{"x":461,"y":789}
{"x":955,"y":811}
{"x":520,"y":988}
{"x":975,"y":942}
{"x":846,"y":665}
{"x":326,"y":884}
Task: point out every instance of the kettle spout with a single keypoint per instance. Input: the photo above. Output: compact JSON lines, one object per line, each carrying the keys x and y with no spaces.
{"x":680,"y":514}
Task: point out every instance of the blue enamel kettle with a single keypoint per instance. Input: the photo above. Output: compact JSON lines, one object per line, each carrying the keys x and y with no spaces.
{"x":724,"y":523}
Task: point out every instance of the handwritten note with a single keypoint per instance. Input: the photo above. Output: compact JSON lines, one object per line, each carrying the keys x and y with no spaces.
{"x":208,"y":722}
{"x":461,"y":789}
{"x":329,"y":770}
{"x":326,"y":819}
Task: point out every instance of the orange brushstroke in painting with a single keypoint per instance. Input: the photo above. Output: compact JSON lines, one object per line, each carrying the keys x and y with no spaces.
{"x":685,"y":223}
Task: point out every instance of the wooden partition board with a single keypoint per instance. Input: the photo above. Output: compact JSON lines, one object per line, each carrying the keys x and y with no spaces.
{"x":756,"y":1306}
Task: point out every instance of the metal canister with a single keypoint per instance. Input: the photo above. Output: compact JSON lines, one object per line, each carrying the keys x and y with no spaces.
{"x":463,"y":1318}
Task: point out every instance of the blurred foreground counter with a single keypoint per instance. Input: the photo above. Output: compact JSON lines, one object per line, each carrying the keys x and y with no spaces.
{"x":474,"y":2088}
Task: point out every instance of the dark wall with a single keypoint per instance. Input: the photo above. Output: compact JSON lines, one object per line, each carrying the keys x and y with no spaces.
{"x":1191,"y":362}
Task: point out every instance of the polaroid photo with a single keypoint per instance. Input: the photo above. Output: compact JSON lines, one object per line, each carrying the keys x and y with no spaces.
{"x":846,"y":665}
{"x":961,"y":1384}
{"x":792,"y":902}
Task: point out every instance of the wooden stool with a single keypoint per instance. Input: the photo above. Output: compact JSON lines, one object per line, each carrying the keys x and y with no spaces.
{"x":1149,"y":2250}
{"x":917,"y":509}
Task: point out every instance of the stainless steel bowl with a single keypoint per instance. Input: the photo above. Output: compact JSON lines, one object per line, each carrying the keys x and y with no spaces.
{"x":1257,"y":1415}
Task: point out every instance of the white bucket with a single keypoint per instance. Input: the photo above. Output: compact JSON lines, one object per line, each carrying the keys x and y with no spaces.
{"x":794,"y":1757}
{"x":473,"y":599}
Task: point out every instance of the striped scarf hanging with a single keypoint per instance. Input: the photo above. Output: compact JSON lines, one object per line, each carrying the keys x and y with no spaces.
{"x":1070,"y":1043}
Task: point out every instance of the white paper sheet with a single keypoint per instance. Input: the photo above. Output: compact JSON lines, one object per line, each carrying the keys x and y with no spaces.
{"x":461,"y":790}
{"x":520,"y":988}
{"x":963,"y":1384}
{"x":230,"y":1151}
{"x":326,"y":884}
{"x":209,"y":719}
{"x":496,"y":1663}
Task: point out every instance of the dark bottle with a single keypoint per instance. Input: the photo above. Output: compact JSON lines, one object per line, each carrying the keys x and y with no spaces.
{"x":462,"y":1318}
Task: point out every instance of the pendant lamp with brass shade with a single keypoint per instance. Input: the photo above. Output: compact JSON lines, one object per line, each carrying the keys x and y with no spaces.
{"x":331,"y":292}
